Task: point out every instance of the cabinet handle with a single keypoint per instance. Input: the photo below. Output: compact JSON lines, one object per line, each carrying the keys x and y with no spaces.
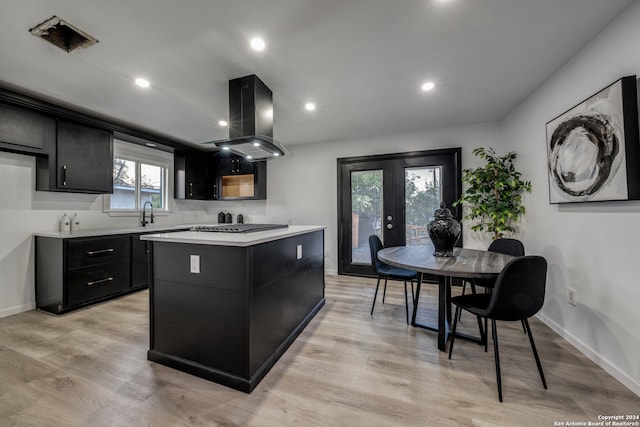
{"x":97,"y":282}
{"x":191,"y":189}
{"x":100,"y":252}
{"x":64,"y":175}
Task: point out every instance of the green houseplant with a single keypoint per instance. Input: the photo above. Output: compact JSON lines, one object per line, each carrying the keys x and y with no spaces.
{"x":494,"y":193}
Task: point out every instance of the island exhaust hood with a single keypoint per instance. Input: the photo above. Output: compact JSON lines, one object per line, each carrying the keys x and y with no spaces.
{"x":251,"y":120}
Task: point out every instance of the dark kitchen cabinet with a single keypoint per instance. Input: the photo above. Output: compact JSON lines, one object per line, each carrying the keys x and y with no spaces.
{"x":139,"y":262}
{"x":211,"y":177}
{"x":190,"y":171}
{"x":74,"y":272}
{"x":231,"y":322}
{"x":24,"y":131}
{"x":231,"y":164}
{"x":218,"y":176}
{"x":241,"y":179}
{"x":81,"y":162}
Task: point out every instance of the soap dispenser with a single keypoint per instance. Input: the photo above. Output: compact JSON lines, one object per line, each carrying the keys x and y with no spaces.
{"x":75,"y":223}
{"x":65,"y":223}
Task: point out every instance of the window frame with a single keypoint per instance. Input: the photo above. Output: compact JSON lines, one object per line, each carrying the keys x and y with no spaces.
{"x":148,"y":156}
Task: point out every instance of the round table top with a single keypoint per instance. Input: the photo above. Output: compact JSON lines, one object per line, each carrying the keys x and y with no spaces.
{"x":465,"y":263}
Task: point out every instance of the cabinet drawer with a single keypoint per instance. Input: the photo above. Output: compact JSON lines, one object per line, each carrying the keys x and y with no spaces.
{"x":90,"y":283}
{"x":85,"y":252}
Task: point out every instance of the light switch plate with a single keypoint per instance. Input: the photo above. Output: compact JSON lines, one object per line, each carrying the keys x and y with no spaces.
{"x":194,"y":261}
{"x":299,"y":252}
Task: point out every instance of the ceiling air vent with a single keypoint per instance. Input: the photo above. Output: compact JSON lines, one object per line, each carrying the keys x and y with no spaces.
{"x":63,"y":35}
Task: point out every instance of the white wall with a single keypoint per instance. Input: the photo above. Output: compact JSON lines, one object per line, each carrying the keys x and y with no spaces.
{"x":590,"y":247}
{"x":303,"y":187}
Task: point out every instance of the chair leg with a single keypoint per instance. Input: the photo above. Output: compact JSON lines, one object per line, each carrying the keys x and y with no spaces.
{"x":375,"y":295}
{"x":384,"y":291}
{"x":486,"y":338}
{"x":535,"y":352}
{"x":406,"y":299}
{"x":464,"y":288}
{"x":453,"y":329}
{"x":483,"y":331}
{"x":413,"y":297}
{"x":494,"y":333}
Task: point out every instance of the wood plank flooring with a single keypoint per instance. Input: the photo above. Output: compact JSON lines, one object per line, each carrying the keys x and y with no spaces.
{"x":347,"y":368}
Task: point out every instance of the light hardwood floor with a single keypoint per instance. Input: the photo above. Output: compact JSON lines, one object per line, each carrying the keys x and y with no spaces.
{"x":89,"y":368}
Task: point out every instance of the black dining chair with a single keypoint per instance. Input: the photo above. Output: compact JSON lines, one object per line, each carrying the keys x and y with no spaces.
{"x":389,"y":272}
{"x":513,"y":247}
{"x":518,"y":294}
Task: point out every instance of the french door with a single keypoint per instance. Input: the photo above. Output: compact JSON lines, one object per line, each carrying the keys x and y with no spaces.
{"x":394,"y":197}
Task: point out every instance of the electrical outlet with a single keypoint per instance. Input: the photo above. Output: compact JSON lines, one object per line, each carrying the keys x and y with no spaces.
{"x":194,"y":261}
{"x":572,"y":296}
{"x":299,"y":252}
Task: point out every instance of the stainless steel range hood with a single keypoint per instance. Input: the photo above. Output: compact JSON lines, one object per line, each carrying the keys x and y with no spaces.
{"x":251,"y":120}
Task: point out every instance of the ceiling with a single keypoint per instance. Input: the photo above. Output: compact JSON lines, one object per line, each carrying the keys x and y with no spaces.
{"x":361,"y":61}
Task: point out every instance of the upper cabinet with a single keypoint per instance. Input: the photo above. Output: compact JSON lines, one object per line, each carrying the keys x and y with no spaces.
{"x":80,"y":162}
{"x":190,"y":172}
{"x":25,"y":131}
{"x":218,"y":176}
{"x":241,"y":179}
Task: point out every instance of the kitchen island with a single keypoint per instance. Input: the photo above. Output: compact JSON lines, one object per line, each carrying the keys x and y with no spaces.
{"x":226,"y":306}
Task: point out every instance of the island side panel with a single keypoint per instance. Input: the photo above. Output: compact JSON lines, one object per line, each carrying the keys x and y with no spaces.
{"x":201,"y":317}
{"x":286,"y":292}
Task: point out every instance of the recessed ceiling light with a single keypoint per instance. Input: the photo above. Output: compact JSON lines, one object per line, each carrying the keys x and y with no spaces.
{"x":427,"y":86}
{"x":257,"y":44}
{"x":226,"y":148}
{"x":249,"y":157}
{"x":309,"y":106}
{"x":150,"y":144}
{"x":142,"y":82}
{"x":256,"y":144}
{"x":222,"y":123}
{"x":276,"y":154}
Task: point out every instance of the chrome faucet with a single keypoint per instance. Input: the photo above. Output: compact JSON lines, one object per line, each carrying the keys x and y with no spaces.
{"x":144,"y":221}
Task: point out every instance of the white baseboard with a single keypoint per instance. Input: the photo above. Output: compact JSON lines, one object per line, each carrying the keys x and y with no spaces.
{"x":16,"y":309}
{"x":605,"y":364}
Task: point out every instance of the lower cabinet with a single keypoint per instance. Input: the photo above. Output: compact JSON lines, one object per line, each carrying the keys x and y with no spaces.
{"x":74,"y":272}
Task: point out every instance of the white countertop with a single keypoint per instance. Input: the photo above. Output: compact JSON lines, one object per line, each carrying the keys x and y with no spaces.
{"x":231,"y":239}
{"x":111,"y":231}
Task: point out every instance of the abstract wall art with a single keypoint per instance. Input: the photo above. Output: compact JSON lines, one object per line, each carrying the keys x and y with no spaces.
{"x":593,"y":149}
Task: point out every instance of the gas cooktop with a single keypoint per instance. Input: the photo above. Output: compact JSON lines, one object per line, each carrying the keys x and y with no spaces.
{"x":237,"y":228}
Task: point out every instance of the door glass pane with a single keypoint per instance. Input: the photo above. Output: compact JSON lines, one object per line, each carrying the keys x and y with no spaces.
{"x":423,"y":193}
{"x":124,"y":184}
{"x":151,"y":185}
{"x":366,"y":212}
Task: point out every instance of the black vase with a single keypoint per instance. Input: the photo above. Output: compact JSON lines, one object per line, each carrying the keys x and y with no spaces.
{"x":444,"y":231}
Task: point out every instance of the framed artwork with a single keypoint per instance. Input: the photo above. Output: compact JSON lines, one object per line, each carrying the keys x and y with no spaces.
{"x":593,"y":150}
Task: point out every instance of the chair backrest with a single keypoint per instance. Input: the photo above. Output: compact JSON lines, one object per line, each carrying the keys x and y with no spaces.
{"x":512,"y":247}
{"x":375,"y":244}
{"x":519,"y":290}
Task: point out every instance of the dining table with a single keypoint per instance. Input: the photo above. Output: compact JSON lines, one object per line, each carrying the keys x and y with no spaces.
{"x":466,"y":264}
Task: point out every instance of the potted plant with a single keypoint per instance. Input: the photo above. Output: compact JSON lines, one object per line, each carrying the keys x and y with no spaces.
{"x":494,"y":193}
